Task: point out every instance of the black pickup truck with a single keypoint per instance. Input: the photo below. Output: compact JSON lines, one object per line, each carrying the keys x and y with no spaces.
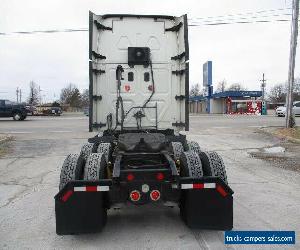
{"x":15,"y":110}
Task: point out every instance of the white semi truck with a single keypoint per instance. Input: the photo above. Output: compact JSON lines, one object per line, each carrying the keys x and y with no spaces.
{"x":139,"y":85}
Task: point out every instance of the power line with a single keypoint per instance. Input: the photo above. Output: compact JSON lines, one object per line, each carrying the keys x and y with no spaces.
{"x":44,"y":31}
{"x":242,"y":14}
{"x":240,"y":18}
{"x":199,"y":21}
{"x":239,"y":22}
{"x":192,"y":24}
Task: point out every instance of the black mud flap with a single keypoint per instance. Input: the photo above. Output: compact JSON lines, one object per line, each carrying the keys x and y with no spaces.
{"x":206,"y":203}
{"x":80,"y":207}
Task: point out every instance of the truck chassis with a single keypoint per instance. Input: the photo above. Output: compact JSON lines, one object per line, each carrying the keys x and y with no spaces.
{"x":141,"y":167}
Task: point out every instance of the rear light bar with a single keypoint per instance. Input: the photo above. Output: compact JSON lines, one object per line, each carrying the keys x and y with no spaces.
{"x":91,"y":189}
{"x":218,"y":187}
{"x":198,"y":185}
{"x":69,"y":192}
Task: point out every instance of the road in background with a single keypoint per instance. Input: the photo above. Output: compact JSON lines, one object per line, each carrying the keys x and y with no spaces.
{"x":79,"y":123}
{"x":266,"y":197}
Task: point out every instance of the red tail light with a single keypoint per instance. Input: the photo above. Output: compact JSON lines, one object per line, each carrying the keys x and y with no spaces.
{"x":155,"y":195}
{"x":130,"y":177}
{"x":135,"y":195}
{"x":160,"y":176}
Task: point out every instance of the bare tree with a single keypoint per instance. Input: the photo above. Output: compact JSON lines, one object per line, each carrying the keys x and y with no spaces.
{"x":277,"y":93}
{"x":296,"y":96}
{"x":71,"y":95}
{"x":236,"y":87}
{"x":85,"y":98}
{"x":195,"y":90}
{"x":33,"y":97}
{"x":55,"y":104}
{"x":221,"y":86}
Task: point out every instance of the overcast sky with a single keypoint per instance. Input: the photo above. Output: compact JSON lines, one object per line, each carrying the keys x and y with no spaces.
{"x":240,"y":52}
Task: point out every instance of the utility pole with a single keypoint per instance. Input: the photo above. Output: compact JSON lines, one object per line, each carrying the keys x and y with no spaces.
{"x":290,"y":119}
{"x":20,"y":95}
{"x":17,"y":92}
{"x":263,"y":86}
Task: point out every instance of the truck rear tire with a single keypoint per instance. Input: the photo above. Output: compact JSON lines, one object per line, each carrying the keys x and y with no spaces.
{"x":94,"y":170}
{"x":105,"y":148}
{"x":194,"y":146}
{"x":177,"y":148}
{"x":190,"y":165}
{"x":87,"y":149}
{"x":95,"y":167}
{"x":72,"y":169}
{"x":213,"y":165}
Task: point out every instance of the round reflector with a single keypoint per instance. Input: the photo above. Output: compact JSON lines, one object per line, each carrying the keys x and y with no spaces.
{"x":135,"y":195}
{"x":155,"y":195}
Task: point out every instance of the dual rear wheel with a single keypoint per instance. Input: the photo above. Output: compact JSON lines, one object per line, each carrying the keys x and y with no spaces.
{"x":89,"y":165}
{"x":75,"y":167}
{"x":197,"y":163}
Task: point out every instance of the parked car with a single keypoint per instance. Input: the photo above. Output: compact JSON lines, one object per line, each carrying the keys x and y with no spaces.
{"x":17,"y":111}
{"x":48,"y":110}
{"x":55,"y":111}
{"x":280,"y":111}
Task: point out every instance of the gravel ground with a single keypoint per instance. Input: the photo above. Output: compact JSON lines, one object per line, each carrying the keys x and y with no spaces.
{"x":266,"y":197}
{"x":284,"y":153}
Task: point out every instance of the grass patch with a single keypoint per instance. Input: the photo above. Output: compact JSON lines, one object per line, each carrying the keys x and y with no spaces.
{"x":4,"y":144}
{"x":289,"y":133}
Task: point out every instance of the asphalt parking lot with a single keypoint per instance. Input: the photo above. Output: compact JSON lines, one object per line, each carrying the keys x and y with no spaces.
{"x":266,"y":197}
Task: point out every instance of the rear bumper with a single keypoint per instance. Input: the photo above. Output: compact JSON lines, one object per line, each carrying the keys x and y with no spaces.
{"x":280,"y":113}
{"x":205,"y":203}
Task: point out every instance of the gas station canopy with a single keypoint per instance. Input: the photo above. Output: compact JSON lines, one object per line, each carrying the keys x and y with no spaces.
{"x":226,"y":94}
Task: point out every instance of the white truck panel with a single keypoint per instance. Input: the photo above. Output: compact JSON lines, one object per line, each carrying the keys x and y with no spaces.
{"x":116,"y":34}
